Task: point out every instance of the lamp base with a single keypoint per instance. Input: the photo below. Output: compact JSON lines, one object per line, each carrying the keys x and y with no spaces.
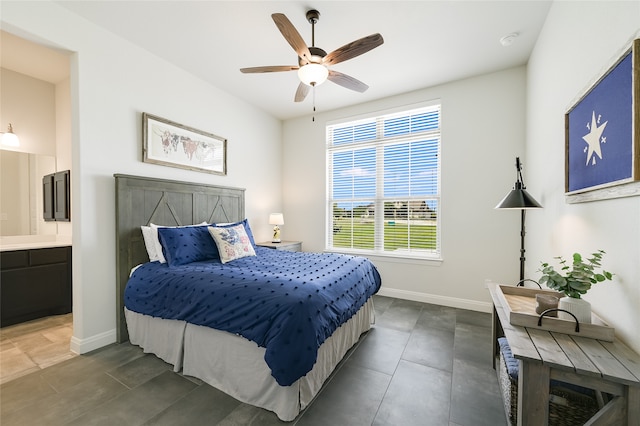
{"x":276,"y":234}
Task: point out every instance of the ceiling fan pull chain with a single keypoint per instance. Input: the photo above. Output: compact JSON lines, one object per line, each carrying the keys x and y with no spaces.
{"x":313,"y":118}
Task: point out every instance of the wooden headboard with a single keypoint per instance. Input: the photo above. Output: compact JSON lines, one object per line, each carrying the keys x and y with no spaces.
{"x":142,"y":200}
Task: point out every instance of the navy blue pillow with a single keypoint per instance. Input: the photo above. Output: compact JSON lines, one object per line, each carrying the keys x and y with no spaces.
{"x":187,"y":244}
{"x":247,"y":229}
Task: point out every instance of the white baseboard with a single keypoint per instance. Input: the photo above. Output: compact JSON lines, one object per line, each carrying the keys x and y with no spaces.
{"x":82,"y":346}
{"x":452,"y":302}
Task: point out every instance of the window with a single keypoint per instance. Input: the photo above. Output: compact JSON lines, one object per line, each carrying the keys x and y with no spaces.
{"x":383,"y":184}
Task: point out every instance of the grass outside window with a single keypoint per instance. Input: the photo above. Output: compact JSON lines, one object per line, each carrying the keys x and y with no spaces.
{"x":420,"y":235}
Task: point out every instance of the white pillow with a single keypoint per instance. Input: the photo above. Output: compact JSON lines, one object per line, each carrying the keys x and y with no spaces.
{"x":232,"y":242}
{"x":147,"y":234}
{"x":156,"y":240}
{"x":134,"y":269}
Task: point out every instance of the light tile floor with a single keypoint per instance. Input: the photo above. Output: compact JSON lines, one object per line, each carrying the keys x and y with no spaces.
{"x":34,"y":345}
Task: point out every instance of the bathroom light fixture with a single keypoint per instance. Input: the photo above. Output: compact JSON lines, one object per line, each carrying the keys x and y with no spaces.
{"x":276,"y":219}
{"x":519,"y":199}
{"x":9,"y":138}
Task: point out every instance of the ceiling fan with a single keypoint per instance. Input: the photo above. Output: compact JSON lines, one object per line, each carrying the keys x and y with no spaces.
{"x":313,"y":62}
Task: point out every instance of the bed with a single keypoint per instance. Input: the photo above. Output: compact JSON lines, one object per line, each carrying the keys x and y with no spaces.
{"x":239,"y":359}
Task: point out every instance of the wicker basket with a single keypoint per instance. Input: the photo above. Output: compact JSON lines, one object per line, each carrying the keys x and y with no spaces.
{"x":567,"y":407}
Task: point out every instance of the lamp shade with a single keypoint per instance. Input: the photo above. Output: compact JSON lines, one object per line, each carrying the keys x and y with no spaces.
{"x":518,"y":198}
{"x":276,"y":219}
{"x":313,"y":74}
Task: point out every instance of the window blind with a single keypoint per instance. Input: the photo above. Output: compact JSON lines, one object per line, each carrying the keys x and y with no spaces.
{"x":383,"y":184}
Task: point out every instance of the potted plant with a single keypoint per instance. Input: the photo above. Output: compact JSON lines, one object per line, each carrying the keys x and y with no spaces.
{"x":573,"y":281}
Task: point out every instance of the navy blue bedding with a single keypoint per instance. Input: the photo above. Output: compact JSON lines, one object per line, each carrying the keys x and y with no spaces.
{"x":286,"y":302}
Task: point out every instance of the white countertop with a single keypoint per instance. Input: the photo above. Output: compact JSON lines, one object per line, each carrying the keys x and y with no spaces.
{"x":26,"y":242}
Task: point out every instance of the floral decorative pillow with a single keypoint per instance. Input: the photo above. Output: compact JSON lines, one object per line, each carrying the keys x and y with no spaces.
{"x":232,"y":242}
{"x":244,"y":222}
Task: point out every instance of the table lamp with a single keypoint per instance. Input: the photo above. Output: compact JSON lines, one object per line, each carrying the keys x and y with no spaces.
{"x":276,"y":219}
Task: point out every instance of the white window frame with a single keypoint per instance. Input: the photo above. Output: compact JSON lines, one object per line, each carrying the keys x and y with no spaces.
{"x":379,"y":144}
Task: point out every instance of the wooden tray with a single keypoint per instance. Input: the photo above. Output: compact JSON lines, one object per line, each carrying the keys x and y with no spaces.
{"x":520,"y":305}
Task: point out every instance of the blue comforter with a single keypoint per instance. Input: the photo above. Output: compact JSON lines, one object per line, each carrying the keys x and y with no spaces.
{"x":286,"y":302}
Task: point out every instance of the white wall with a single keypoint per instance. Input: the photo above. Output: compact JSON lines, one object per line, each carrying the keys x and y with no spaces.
{"x":29,"y":105}
{"x":482,"y":133}
{"x":112,"y":82}
{"x":63,"y":141}
{"x":578,"y":42}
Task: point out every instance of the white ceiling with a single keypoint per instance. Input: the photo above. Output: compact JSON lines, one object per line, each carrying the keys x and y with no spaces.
{"x":426,"y":42}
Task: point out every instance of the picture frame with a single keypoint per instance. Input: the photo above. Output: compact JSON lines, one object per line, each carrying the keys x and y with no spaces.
{"x":168,"y":143}
{"x":602,"y":133}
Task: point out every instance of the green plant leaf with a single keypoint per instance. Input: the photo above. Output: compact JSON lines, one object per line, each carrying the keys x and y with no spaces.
{"x":577,"y":278}
{"x":579,"y":286}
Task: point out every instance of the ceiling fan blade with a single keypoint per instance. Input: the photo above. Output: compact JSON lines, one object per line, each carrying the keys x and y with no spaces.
{"x":302,"y":92}
{"x":347,"y":81}
{"x":273,"y":68}
{"x":353,"y":49}
{"x":292,"y":36}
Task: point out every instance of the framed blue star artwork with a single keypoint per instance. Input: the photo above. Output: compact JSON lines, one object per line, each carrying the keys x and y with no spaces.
{"x":602,"y":129}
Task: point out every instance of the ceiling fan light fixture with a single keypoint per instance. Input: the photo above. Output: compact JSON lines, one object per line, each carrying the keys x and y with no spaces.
{"x":313,"y":74}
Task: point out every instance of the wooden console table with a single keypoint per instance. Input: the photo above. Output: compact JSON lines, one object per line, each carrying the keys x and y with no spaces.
{"x":607,"y":367}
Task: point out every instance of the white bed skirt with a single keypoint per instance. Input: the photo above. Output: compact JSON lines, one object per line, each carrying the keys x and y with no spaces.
{"x":161,"y":337}
{"x":236,"y":365}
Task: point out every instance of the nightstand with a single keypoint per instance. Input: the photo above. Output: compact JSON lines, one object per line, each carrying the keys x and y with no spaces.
{"x":284,"y":245}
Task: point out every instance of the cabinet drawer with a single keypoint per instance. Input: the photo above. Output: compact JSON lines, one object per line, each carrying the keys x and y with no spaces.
{"x":48,"y":256}
{"x":34,"y":283}
{"x":284,"y":245}
{"x":14,"y":259}
{"x":291,"y":247}
{"x":34,"y":292}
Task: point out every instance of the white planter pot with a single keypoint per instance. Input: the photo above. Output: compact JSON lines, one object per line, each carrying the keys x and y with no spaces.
{"x":578,"y":307}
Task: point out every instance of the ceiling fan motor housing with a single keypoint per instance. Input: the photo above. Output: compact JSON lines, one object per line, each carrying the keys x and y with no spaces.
{"x":316,"y":56}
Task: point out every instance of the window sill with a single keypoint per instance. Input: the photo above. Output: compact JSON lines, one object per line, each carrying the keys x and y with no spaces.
{"x":391,"y":258}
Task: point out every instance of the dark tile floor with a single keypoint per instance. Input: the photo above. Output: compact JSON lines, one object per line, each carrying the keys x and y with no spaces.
{"x":420,"y":364}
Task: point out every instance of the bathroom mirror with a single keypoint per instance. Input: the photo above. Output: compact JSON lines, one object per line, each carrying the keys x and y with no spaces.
{"x":21,"y":206}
